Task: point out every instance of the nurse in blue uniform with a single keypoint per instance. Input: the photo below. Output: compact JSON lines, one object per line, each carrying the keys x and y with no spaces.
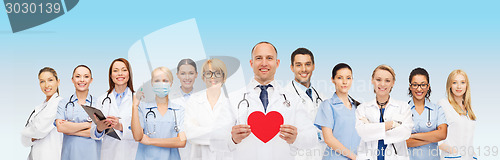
{"x":75,"y":123}
{"x":429,"y":119}
{"x":158,"y":125}
{"x":336,"y":117}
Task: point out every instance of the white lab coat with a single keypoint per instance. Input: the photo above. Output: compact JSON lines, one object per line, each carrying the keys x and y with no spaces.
{"x":206,"y":129}
{"x":311,"y":106}
{"x":251,"y":147}
{"x":178,"y":98}
{"x":112,"y":148}
{"x":41,"y":127}
{"x":373,"y":131}
{"x":460,"y":133}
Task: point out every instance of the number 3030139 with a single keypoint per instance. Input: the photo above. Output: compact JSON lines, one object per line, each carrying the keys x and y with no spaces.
{"x":33,"y":8}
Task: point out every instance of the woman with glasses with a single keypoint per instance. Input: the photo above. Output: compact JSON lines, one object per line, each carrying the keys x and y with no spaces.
{"x":208,"y":116}
{"x":429,"y":119}
{"x":158,"y":125}
{"x":74,"y":122}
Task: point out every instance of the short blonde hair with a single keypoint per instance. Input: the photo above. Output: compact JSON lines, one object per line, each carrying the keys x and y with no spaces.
{"x":466,"y":97}
{"x":216,"y":64}
{"x":385,"y":68}
{"x":164,"y":70}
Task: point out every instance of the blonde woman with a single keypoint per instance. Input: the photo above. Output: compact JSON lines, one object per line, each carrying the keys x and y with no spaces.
{"x":384,"y":124}
{"x":461,"y":119}
{"x":208,"y":116}
{"x":158,"y":125}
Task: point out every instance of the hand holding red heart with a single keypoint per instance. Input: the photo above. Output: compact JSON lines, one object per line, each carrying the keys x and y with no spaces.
{"x":288,"y":133}
{"x":240,"y":132}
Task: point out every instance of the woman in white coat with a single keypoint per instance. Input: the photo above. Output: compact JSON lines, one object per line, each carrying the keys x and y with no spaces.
{"x":39,"y":132}
{"x":384,"y":124}
{"x":208,"y":116}
{"x":459,"y":144}
{"x":116,"y":104}
{"x":186,"y":73}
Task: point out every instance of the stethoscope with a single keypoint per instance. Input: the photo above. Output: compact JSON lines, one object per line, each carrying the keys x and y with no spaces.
{"x":31,"y":115}
{"x":244,"y":100}
{"x":151,"y":112}
{"x":318,"y":99}
{"x":73,"y":104}
{"x":429,"y":123}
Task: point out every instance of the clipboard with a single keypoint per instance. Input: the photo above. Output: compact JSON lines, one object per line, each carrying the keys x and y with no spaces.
{"x":91,"y":111}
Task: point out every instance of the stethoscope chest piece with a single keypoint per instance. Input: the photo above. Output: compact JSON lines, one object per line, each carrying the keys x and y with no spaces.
{"x":429,"y":124}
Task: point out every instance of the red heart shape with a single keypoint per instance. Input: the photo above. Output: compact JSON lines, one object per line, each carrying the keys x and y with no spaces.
{"x":265,"y":127}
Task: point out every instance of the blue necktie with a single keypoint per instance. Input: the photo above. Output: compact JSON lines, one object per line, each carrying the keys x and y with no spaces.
{"x":263,"y":95}
{"x":309,"y":93}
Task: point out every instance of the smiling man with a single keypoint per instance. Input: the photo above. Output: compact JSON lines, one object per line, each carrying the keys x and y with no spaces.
{"x":264,"y":96}
{"x":300,"y":88}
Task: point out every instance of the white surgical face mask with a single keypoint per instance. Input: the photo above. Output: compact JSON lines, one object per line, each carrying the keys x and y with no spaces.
{"x":161,"y":89}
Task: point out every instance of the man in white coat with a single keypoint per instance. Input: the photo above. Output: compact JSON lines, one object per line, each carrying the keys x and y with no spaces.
{"x":302,"y":65}
{"x":272,"y":112}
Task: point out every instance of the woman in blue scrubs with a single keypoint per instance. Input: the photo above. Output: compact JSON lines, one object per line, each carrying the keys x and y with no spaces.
{"x":337,"y":119}
{"x":429,"y":119}
{"x":158,"y":125}
{"x":75,"y":123}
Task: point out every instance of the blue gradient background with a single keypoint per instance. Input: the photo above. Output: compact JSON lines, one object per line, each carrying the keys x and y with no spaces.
{"x":438,"y":35}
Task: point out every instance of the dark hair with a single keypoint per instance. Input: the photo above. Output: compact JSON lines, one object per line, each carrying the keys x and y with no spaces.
{"x":303,"y":51}
{"x":334,"y":73}
{"x":129,"y":69}
{"x":188,"y":62}
{"x":338,"y":67}
{"x":275,"y":50}
{"x":50,"y":70}
{"x":423,"y":72}
{"x":82,"y":65}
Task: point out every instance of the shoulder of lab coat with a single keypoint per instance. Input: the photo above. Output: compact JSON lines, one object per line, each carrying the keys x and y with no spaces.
{"x":43,"y":122}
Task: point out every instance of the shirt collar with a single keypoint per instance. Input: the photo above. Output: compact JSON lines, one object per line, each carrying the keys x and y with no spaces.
{"x":373,"y":103}
{"x":427,"y":104}
{"x":336,"y":100}
{"x":75,"y":98}
{"x":120,"y":94}
{"x":186,"y":94}
{"x":299,"y":86}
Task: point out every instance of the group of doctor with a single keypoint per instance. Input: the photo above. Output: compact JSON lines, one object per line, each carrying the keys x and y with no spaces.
{"x":214,"y":125}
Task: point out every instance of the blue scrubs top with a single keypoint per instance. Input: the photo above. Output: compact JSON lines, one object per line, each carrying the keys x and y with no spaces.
{"x":437,"y":117}
{"x":76,"y":147}
{"x":160,"y":127}
{"x":332,"y":113}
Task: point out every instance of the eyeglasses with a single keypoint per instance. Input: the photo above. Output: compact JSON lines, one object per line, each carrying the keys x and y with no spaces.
{"x":209,"y":74}
{"x":423,"y":86}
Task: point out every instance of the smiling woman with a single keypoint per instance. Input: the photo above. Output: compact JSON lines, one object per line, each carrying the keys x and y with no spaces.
{"x":39,"y":132}
{"x":384,"y":124}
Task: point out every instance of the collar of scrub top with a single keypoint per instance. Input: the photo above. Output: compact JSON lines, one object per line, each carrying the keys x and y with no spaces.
{"x":76,"y":98}
{"x":336,"y":100}
{"x":427,"y":104}
{"x":171,"y":106}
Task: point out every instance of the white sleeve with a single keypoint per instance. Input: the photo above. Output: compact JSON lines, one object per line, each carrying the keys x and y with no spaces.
{"x":402,"y":132}
{"x":368,"y":131}
{"x":43,"y":122}
{"x":195,"y":133}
